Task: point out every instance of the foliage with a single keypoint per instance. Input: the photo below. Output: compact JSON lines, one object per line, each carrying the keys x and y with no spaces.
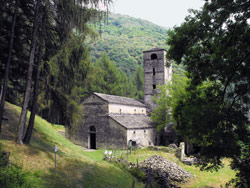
{"x":138,"y":173}
{"x":110,"y":79}
{"x":213,"y":44}
{"x":67,"y":81}
{"x":13,"y":175}
{"x":138,"y":83}
{"x":167,"y":99}
{"x":124,"y":38}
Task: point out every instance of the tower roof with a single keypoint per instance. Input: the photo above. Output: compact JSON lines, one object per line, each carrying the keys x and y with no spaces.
{"x":155,"y":49}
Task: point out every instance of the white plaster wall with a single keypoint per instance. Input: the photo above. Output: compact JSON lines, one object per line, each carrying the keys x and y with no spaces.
{"x":144,"y":137}
{"x":123,"y":109}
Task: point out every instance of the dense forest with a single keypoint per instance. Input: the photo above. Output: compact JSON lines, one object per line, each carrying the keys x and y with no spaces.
{"x":45,"y":63}
{"x":51,"y":69}
{"x":125,"y":38}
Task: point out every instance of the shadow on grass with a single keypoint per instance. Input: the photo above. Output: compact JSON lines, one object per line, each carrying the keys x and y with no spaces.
{"x":77,"y":173}
{"x":10,"y":126}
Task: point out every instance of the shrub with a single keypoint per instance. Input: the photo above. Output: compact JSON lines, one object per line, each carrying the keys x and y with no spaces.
{"x":14,"y":177}
{"x":138,"y":173}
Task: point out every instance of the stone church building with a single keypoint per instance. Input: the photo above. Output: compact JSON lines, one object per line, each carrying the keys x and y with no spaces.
{"x":115,"y":121}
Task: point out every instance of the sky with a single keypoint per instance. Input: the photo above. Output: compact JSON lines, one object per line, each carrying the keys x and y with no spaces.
{"x":166,"y":13}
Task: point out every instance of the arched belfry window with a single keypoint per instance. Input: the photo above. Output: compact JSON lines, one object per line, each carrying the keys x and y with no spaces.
{"x":153,"y":56}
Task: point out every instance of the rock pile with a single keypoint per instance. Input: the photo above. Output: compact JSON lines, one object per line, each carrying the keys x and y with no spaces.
{"x":165,"y":170}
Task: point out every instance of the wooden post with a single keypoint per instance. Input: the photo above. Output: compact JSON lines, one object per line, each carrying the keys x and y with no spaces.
{"x":55,"y":162}
{"x":133,"y":184}
{"x":127,"y":161}
{"x":56,"y":149}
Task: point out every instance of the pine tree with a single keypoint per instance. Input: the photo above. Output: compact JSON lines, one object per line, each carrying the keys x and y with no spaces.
{"x":7,"y":67}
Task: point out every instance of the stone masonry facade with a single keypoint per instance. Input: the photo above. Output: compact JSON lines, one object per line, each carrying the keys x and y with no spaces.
{"x":155,"y":73}
{"x":109,"y":121}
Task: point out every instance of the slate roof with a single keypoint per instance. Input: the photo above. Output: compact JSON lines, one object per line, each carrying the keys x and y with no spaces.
{"x":154,"y":49}
{"x":133,"y":121}
{"x":113,"y":99}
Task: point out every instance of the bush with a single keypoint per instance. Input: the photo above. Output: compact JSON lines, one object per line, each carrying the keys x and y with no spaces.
{"x":14,"y":177}
{"x":3,"y":157}
{"x":138,"y":173}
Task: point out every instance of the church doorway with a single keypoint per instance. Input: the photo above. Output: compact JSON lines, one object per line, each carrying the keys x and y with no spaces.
{"x":92,"y":137}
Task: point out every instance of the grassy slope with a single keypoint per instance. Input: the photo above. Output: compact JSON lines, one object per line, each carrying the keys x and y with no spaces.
{"x":75,"y":167}
{"x":79,"y":168}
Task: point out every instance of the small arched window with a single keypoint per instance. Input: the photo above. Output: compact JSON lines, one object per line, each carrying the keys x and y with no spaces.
{"x":153,"y":56}
{"x":92,"y":129}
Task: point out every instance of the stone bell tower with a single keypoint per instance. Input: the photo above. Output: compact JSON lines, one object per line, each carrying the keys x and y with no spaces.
{"x":155,"y":73}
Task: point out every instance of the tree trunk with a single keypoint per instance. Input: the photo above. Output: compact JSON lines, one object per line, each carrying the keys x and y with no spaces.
{"x":29,"y":131}
{"x":23,"y":116}
{"x":1,"y":92}
{"x":28,"y":134}
{"x":7,"y":68}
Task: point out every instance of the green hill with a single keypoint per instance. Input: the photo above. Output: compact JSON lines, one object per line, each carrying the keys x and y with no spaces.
{"x":124,"y":38}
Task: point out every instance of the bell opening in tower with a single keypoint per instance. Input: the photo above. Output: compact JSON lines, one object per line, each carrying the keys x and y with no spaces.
{"x":153,"y":56}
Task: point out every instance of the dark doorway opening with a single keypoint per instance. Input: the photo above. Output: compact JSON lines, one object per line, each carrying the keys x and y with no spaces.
{"x":92,"y":140}
{"x":92,"y":137}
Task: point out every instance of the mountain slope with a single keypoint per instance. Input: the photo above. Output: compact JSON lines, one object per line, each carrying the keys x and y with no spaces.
{"x":124,"y":38}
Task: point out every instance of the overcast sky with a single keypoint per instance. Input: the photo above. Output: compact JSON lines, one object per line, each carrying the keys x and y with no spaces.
{"x":165,"y":13}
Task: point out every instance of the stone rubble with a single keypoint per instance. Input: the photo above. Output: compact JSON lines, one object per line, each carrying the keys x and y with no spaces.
{"x":165,"y":170}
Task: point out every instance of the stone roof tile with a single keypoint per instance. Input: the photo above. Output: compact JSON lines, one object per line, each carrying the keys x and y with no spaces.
{"x":133,"y":121}
{"x":114,"y":99}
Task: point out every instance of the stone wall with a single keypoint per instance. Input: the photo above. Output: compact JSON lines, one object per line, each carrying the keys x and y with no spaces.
{"x":94,"y":112}
{"x":143,"y":137}
{"x":155,"y":73}
{"x":124,"y":109}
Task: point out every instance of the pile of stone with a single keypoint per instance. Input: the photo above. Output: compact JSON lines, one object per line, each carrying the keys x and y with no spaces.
{"x":165,"y":170}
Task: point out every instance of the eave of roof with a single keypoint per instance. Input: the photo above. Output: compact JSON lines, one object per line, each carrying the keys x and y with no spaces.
{"x":155,"y":49}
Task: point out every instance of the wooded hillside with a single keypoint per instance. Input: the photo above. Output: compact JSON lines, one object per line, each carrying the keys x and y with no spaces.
{"x":124,"y":38}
